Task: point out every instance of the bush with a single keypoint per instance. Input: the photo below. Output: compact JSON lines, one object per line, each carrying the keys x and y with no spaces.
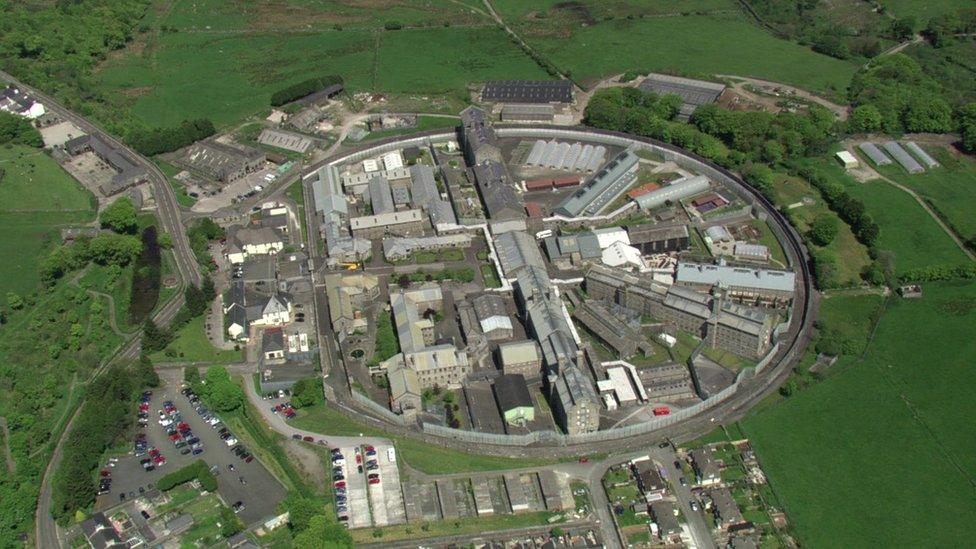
{"x":18,"y":131}
{"x":198,"y":470}
{"x":303,"y":89}
{"x":155,"y":141}
{"x":307,"y":392}
{"x":120,"y":216}
{"x":823,"y":230}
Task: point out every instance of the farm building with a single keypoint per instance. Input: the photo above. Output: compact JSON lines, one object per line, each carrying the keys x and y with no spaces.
{"x":285,"y":140}
{"x":528,"y":91}
{"x":847,"y":159}
{"x":222,"y":162}
{"x":127,"y":172}
{"x":693,"y":93}
{"x":528,"y":113}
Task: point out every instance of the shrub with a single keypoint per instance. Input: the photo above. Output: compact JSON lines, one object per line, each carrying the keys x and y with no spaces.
{"x":198,"y":470}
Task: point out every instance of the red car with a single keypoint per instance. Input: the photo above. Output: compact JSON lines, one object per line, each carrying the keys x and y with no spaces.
{"x":359,"y":459}
{"x":308,"y":439}
{"x":153,"y":453}
{"x":159,"y":460}
{"x":340,"y":484}
{"x":105,"y":473}
{"x":584,"y":459}
{"x":183,"y":426}
{"x":175,"y":437}
{"x":144,"y":407}
{"x":370,"y":448}
{"x":374,"y":481}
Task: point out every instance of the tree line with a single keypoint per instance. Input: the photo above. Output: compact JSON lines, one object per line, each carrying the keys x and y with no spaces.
{"x":153,"y":141}
{"x":304,"y":88}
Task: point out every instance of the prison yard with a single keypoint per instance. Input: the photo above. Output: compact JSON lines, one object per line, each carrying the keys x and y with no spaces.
{"x":541,"y":274}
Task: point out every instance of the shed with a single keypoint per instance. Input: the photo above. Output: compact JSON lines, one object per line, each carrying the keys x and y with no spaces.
{"x":847,"y":159}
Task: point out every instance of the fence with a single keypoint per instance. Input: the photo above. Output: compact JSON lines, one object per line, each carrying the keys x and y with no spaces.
{"x":380,"y":410}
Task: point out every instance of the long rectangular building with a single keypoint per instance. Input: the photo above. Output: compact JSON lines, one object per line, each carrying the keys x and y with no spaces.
{"x":528,"y":91}
{"x":601,"y":189}
{"x":765,"y":287}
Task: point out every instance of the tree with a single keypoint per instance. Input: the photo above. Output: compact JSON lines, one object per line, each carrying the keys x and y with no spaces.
{"x":323,"y":533}
{"x":864,"y":119}
{"x":220,"y":392}
{"x":903,"y":28}
{"x":967,"y":127}
{"x":300,"y":510}
{"x":18,"y":131}
{"x":146,"y":372}
{"x":121,"y":216}
{"x":789,"y":388}
{"x":823,"y":230}
{"x":307,"y":392}
{"x":14,"y":301}
{"x":112,"y":248}
{"x":155,"y":338}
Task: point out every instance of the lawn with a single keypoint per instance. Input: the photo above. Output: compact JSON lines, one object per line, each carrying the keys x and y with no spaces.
{"x":433,"y":460}
{"x":37,"y":198}
{"x":923,"y":10}
{"x":191,"y":345}
{"x":852,"y":256}
{"x":950,"y":188}
{"x":861,"y":450}
{"x":716,"y":43}
{"x":852,"y":316}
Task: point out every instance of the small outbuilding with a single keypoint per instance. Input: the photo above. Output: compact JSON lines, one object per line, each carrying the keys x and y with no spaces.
{"x":847,"y":160}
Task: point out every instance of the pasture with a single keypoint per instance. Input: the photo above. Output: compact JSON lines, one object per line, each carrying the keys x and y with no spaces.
{"x":883,"y":444}
{"x":907,"y":230}
{"x":923,"y":10}
{"x":37,"y":197}
{"x":590,"y":44}
{"x":228,"y":76}
{"x":950,"y":188}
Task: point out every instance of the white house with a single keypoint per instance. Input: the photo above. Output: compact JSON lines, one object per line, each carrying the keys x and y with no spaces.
{"x":253,"y":241}
{"x":276,"y":311}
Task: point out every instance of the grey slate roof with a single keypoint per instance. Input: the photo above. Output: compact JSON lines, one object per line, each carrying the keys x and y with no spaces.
{"x":601,"y":189}
{"x":512,"y":392}
{"x":741,"y":277}
{"x":528,"y":91}
{"x":501,"y":200}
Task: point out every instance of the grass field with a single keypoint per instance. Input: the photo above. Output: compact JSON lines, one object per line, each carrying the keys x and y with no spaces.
{"x":228,"y":76}
{"x":591,"y":45}
{"x":923,"y":10}
{"x":433,"y":460}
{"x":852,"y":256}
{"x":951,"y":188}
{"x":885,"y":444}
{"x":191,"y":345}
{"x":907,"y":230}
{"x":424,"y":123}
{"x":37,"y":197}
{"x":852,"y":316}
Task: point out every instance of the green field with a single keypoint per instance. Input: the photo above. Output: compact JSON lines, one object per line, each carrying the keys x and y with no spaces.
{"x":852,"y":256}
{"x":951,"y":188}
{"x":884,"y":445}
{"x":191,"y":345}
{"x":424,"y":123}
{"x":268,"y":15}
{"x":228,"y":76}
{"x":433,"y":460}
{"x":602,"y":41}
{"x":907,"y":230}
{"x":37,"y":197}
{"x":923,"y":10}
{"x":852,"y":316}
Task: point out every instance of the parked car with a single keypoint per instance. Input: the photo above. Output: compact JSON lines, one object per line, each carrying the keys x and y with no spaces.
{"x":238,"y":506}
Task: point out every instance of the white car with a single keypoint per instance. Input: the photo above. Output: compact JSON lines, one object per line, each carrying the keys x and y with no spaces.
{"x":166,"y":422}
{"x":230,"y":441}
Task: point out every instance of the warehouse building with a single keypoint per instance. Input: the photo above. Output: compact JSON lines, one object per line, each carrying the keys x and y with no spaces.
{"x":127,"y":172}
{"x":514,"y":399}
{"x":517,"y":250}
{"x":528,"y":113}
{"x":603,"y":188}
{"x":693,"y":93}
{"x":222,"y":162}
{"x":285,"y":140}
{"x":574,"y":403}
{"x":306,"y":119}
{"x":653,"y":239}
{"x":678,"y":190}
{"x":528,"y":91}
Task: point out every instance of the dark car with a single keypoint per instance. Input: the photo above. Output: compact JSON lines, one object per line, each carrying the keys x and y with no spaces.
{"x":144,"y":514}
{"x":297,"y":436}
{"x":197,"y":451}
{"x":238,"y":506}
{"x":677,"y":465}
